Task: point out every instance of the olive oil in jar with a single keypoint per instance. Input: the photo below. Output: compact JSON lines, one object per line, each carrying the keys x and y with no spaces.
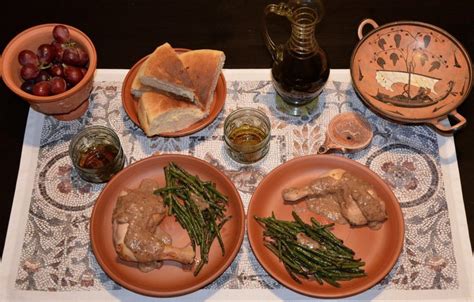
{"x":247,"y":135}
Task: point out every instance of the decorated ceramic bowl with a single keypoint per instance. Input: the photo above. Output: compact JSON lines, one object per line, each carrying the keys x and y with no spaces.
{"x":68,"y":105}
{"x":412,"y":72}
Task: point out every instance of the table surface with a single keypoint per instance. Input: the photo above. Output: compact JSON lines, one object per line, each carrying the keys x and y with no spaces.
{"x":123,"y":31}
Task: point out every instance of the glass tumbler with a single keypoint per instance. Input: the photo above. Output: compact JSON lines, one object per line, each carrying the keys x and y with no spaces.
{"x":96,"y":154}
{"x":247,"y":135}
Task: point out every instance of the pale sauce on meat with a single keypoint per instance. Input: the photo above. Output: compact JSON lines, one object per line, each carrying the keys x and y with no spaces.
{"x":142,"y":211}
{"x":327,"y":206}
{"x":342,"y":198}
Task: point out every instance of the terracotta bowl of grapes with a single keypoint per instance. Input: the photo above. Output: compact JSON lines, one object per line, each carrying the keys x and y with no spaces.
{"x":51,"y":66}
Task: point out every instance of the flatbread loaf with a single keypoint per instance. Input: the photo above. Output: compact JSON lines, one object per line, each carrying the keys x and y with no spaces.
{"x":165,"y":72}
{"x":204,"y":67}
{"x":159,"y":113}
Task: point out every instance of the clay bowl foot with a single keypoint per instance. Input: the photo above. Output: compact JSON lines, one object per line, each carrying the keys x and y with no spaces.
{"x":76,"y":113}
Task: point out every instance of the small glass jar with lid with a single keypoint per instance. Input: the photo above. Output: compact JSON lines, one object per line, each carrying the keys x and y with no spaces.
{"x":247,"y":135}
{"x":96,"y":154}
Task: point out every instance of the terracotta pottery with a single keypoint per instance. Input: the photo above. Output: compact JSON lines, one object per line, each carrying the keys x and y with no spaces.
{"x":347,"y":132}
{"x":379,"y":249}
{"x":130,"y":103}
{"x":412,"y":72}
{"x":65,"y":106}
{"x":170,"y":279}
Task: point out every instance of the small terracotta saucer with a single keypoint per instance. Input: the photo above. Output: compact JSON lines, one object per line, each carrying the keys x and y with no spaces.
{"x":347,"y":132}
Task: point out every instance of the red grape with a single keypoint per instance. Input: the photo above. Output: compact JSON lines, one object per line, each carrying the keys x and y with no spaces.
{"x":46,"y":53}
{"x":58,"y":85}
{"x":43,"y":76}
{"x":56,"y":70}
{"x":61,"y":34}
{"x":28,"y":57}
{"x":84,"y":71}
{"x":73,"y":74}
{"x":59,"y":50}
{"x":83,"y":56}
{"x":42,"y":88}
{"x":71,"y":57}
{"x":29,"y":72}
{"x":75,"y":55}
{"x":27,"y":86}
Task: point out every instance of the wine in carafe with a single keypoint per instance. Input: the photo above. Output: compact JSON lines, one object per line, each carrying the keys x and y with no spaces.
{"x":300,"y":68}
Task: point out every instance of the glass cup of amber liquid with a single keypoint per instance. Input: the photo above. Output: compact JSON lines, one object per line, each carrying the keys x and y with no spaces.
{"x":247,"y":135}
{"x":96,"y":154}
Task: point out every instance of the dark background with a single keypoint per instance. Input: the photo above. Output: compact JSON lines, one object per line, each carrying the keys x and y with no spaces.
{"x":124,"y":31}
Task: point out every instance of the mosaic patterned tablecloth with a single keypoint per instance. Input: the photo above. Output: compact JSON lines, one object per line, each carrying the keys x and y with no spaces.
{"x":56,"y":255}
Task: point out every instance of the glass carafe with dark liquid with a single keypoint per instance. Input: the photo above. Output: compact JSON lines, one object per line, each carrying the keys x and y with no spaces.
{"x":300,"y":69}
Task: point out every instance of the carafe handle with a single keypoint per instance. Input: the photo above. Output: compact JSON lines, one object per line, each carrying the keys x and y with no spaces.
{"x":283,"y":10}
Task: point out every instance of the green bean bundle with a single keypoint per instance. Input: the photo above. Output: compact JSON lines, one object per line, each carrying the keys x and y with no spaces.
{"x":327,"y":260}
{"x":198,"y":207}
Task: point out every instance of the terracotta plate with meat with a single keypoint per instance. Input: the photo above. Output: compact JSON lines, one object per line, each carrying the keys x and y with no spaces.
{"x":147,"y":251}
{"x":333,"y":189}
